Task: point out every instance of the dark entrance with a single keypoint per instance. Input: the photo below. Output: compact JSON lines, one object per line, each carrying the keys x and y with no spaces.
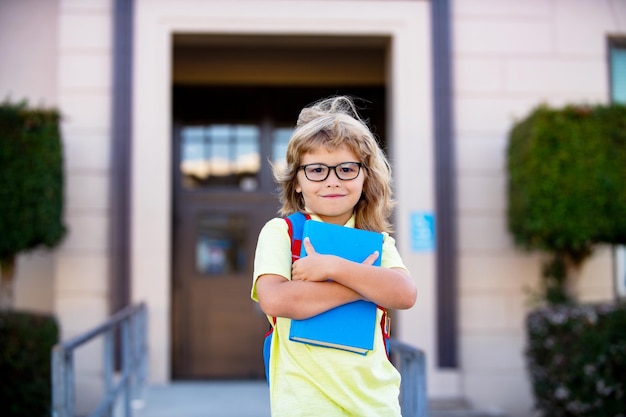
{"x":223,"y":193}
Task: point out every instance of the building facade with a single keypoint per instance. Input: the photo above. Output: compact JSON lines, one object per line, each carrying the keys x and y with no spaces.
{"x":151,"y":86}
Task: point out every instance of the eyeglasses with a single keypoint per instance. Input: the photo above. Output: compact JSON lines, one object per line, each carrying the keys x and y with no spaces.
{"x":319,"y":172}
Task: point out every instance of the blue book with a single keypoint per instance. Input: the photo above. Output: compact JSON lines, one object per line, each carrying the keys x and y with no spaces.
{"x":351,"y":326}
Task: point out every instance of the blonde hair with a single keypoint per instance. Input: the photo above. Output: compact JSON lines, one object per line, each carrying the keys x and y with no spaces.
{"x":332,"y":123}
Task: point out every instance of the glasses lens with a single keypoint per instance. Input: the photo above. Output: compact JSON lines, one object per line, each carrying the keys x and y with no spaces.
{"x":316,"y":172}
{"x":348,"y":170}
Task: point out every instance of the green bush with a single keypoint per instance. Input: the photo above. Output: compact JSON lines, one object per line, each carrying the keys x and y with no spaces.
{"x":26,"y":341}
{"x":577,"y":360}
{"x":566,"y":193}
{"x":31,"y":191}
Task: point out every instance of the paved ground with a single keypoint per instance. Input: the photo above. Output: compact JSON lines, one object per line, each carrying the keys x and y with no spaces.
{"x":206,"y":399}
{"x":243,"y":399}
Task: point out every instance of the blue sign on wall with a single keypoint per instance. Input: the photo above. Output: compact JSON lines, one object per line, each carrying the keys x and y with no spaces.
{"x":422,"y":231}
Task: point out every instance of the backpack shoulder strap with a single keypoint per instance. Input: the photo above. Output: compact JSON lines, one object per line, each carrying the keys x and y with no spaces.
{"x":295,"y":224}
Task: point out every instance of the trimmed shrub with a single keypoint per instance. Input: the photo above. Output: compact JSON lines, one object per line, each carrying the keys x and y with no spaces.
{"x":26,"y":340}
{"x":566,"y":193}
{"x":31,"y":191}
{"x":577,"y":360}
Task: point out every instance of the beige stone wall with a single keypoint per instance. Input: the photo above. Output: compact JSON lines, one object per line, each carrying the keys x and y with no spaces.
{"x":28,"y":36}
{"x":508,"y":57}
{"x":84,"y":94}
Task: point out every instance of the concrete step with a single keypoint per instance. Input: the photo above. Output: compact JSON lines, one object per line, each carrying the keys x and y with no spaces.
{"x":458,"y":408}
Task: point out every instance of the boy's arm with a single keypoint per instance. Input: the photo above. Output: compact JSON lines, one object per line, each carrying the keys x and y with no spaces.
{"x":388,"y":287}
{"x":280,"y":297}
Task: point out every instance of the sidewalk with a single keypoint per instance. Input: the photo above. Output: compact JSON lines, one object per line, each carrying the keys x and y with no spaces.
{"x":206,"y":399}
{"x":245,"y":399}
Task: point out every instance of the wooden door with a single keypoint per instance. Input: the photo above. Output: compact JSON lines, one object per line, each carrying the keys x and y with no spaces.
{"x":222,"y":200}
{"x":223,"y":193}
{"x":219,"y":329}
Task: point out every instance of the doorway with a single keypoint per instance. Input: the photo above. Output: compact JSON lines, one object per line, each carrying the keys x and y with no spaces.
{"x":224,"y":137}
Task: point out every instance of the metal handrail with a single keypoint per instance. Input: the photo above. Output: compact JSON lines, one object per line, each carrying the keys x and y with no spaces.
{"x":131,"y":322}
{"x":411,"y":363}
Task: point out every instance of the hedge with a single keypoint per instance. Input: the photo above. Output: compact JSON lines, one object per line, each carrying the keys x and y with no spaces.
{"x":566,"y":193}
{"x":577,"y":360}
{"x":31,"y":174}
{"x":567,"y":170}
{"x":26,"y":340}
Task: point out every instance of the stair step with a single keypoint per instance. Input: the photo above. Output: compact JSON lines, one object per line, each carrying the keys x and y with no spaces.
{"x":458,"y":408}
{"x":464,"y":413}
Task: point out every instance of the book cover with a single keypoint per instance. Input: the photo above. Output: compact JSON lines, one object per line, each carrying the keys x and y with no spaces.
{"x":347,"y":242}
{"x":351,"y":326}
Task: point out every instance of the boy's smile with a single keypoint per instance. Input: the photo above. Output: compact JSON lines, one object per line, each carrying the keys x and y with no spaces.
{"x":332,"y":199}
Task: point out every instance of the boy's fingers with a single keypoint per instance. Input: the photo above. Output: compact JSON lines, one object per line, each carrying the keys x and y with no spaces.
{"x":371,"y":259}
{"x":308,"y":246}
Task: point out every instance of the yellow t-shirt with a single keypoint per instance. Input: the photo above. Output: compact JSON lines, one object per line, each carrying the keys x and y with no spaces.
{"x":314,"y":381}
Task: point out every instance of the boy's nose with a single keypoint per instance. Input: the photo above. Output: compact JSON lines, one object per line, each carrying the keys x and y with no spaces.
{"x":333,"y":179}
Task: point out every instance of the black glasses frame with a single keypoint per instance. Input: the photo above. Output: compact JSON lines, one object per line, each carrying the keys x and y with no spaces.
{"x":333,"y":168}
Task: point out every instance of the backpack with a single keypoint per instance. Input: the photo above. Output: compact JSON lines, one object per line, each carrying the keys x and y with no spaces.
{"x":295,"y":226}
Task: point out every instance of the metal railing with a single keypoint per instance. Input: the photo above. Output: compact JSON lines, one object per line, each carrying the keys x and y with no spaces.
{"x":411,"y":362}
{"x":131,"y":325}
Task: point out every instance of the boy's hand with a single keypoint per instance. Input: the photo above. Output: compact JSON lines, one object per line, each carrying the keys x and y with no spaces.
{"x":318,"y":267}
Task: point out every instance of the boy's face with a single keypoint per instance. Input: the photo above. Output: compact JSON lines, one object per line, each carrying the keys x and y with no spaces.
{"x":332,"y":199}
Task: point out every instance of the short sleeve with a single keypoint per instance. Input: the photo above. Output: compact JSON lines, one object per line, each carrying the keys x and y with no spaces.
{"x":391,"y":256}
{"x":273,"y":252}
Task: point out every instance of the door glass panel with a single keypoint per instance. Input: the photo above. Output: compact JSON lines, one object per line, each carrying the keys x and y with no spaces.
{"x":220,"y":244}
{"x":280,"y":139}
{"x":219,"y":155}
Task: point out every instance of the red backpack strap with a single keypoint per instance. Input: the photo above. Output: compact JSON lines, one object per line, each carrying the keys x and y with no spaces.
{"x":385,"y":327}
{"x":295,"y":226}
{"x":271,"y":329}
